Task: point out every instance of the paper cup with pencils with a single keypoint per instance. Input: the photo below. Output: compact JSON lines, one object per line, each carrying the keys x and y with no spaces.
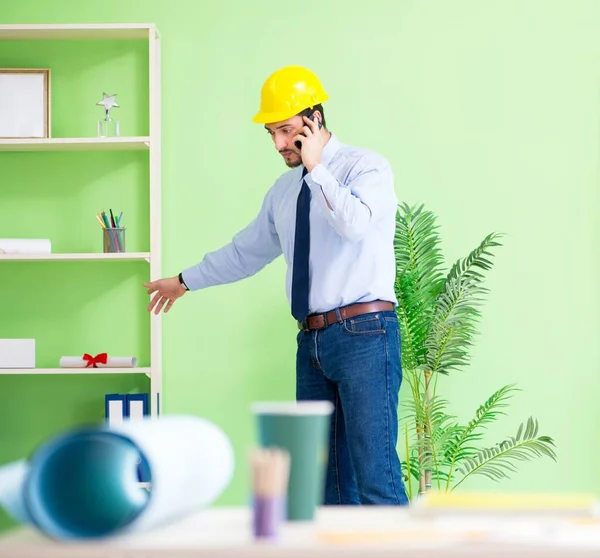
{"x":270,"y":475}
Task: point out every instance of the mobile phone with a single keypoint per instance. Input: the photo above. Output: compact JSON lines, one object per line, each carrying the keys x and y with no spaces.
{"x":311,"y":116}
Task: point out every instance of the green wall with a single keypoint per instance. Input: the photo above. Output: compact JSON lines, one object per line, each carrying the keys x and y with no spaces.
{"x":488,"y":111}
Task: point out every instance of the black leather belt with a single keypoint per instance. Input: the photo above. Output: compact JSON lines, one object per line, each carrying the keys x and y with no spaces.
{"x":319,"y":321}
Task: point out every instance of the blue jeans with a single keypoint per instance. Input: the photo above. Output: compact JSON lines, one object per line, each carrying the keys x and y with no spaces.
{"x":355,"y":364}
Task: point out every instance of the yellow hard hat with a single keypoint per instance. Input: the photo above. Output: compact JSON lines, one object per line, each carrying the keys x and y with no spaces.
{"x":287,"y":92}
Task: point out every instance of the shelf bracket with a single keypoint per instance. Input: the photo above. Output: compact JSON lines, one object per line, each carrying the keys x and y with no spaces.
{"x":147,"y":258}
{"x":149,"y":373}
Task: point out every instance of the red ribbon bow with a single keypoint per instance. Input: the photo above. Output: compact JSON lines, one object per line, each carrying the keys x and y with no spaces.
{"x":101,"y":358}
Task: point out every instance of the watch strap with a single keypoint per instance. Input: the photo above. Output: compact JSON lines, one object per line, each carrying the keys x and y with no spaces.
{"x":183,"y":282}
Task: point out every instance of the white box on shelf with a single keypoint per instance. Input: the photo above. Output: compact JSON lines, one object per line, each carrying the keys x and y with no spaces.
{"x":25,"y":246}
{"x":17,"y":353}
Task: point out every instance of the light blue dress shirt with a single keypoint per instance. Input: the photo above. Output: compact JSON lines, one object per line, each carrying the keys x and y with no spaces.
{"x":351,"y":245}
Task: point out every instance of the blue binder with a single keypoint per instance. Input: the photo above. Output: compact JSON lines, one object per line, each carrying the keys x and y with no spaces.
{"x":137,"y":407}
{"x":115,"y":408}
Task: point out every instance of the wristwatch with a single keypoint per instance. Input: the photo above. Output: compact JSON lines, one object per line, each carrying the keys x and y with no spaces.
{"x":183,"y":282}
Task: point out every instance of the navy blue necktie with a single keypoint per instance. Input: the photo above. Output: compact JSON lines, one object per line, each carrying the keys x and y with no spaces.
{"x":301,"y":253}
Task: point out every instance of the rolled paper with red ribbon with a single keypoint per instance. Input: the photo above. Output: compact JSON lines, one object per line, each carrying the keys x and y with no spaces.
{"x":93,"y":361}
{"x":101,"y":360}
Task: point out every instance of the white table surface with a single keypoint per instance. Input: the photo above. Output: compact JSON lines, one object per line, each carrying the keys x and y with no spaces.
{"x":371,"y":532}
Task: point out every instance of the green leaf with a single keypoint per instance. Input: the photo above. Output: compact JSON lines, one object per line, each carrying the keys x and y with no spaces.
{"x":456,"y":449}
{"x":433,"y":426}
{"x":499,"y":461}
{"x":419,"y":278}
{"x":468,"y":268}
{"x":456,"y":315}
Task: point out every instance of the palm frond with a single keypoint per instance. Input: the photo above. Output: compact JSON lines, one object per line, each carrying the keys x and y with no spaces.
{"x":432,"y":426}
{"x":419,"y":278}
{"x":411,"y":468}
{"x":417,"y":243}
{"x":412,"y":378}
{"x":499,"y":461}
{"x":456,"y":448}
{"x":424,"y":411}
{"x":453,"y":326}
{"x":413,"y":324}
{"x":435,"y":444}
{"x":468,"y":268}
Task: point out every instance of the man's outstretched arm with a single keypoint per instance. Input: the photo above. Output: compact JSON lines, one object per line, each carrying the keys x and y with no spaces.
{"x":250,"y":250}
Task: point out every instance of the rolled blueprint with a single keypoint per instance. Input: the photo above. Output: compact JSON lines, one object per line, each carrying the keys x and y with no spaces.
{"x":25,"y":246}
{"x":83,"y":484}
{"x":111,"y":361}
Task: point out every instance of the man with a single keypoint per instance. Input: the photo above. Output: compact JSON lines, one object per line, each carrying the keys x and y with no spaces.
{"x":333,"y":218}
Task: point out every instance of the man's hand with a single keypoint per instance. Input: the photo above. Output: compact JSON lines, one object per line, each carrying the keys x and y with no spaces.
{"x":167,"y":292}
{"x":313,"y":141}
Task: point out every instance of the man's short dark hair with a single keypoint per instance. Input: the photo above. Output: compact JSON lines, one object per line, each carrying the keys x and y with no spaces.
{"x":308,"y":111}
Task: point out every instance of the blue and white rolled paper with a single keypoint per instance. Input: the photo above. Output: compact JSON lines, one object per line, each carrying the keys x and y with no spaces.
{"x":83,"y":484}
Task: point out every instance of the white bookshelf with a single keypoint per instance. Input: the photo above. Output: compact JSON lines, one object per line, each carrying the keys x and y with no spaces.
{"x":71,"y":371}
{"x":151,"y":143}
{"x":76,"y":144}
{"x":78,"y":32}
{"x":121,"y":256}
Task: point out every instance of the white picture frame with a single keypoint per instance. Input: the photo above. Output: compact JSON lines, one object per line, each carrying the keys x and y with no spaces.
{"x":24,"y":103}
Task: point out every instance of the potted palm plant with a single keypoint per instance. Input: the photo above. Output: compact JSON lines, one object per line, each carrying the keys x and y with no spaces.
{"x":438,"y":312}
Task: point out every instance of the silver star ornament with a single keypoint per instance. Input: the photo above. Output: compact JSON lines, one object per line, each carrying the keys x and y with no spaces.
{"x":108,"y":102}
